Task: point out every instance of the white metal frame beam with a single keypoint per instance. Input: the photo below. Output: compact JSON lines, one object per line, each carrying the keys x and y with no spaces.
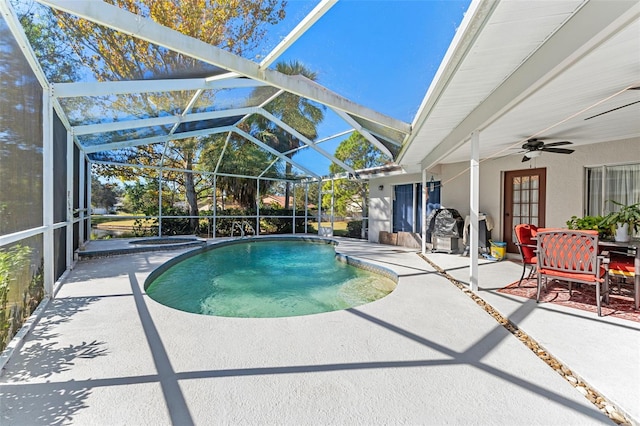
{"x":148,"y":30}
{"x":319,"y":141}
{"x":106,"y":88}
{"x":368,"y":136}
{"x":154,"y":139}
{"x":273,"y":151}
{"x":224,"y":149}
{"x":132,"y":124}
{"x":165,"y":138}
{"x":313,"y":16}
{"x":305,"y":140}
{"x":160,"y":121}
{"x":178,"y":170}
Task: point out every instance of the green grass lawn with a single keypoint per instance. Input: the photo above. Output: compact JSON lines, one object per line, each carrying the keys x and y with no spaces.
{"x":339,"y":228}
{"x":110,"y":222}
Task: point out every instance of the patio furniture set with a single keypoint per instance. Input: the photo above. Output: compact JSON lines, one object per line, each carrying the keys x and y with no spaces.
{"x":578,"y":256}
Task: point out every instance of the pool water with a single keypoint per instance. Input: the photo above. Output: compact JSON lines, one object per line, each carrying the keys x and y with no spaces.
{"x":263,"y":279}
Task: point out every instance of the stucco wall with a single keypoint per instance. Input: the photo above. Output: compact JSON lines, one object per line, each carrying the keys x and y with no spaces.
{"x":381,"y":201}
{"x":565,"y":188}
{"x":565,"y":177}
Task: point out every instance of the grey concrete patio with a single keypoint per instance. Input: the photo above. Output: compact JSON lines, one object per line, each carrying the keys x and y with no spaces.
{"x":105,"y":353}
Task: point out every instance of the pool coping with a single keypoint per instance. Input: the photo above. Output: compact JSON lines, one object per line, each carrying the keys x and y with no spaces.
{"x":356,"y":263}
{"x":132,"y":247}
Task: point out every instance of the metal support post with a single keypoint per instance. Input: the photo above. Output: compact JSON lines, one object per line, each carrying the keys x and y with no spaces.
{"x":319,"y":204}
{"x":474,"y":202}
{"x":215,"y":204}
{"x":257,"y":230}
{"x":414,"y":194}
{"x":89,"y":174}
{"x":332,"y":201}
{"x":306,"y":206}
{"x":294,"y":209}
{"x":82,"y":168}
{"x":160,"y":202}
{"x":423,"y":218}
{"x":47,"y":193}
{"x":70,"y":200}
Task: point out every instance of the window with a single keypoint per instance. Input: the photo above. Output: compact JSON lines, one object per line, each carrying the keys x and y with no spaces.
{"x":604,"y":183}
{"x":407,"y":205}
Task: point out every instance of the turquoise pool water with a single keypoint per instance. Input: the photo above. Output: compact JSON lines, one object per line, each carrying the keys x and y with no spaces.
{"x":263,"y":279}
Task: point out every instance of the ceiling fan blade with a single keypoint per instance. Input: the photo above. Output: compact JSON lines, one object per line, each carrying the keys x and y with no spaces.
{"x":525,"y":158}
{"x":558,"y":150}
{"x":558,"y":143}
{"x":611,"y":110}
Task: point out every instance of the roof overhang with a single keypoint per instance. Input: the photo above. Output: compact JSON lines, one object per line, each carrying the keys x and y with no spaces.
{"x":517,"y":70}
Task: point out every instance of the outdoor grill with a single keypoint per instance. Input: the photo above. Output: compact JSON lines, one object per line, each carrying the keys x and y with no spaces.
{"x":445,"y":228}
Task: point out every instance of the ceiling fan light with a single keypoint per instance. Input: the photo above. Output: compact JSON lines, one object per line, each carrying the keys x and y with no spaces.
{"x":532,"y":154}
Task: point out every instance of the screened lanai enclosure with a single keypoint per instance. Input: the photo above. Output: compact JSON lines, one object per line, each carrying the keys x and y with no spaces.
{"x":173,"y":118}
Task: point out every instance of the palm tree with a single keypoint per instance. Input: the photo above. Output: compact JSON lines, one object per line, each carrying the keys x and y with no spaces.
{"x":300,"y":113}
{"x":242,"y":156}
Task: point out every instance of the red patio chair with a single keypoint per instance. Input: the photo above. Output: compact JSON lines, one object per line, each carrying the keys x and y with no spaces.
{"x":527,"y":247}
{"x":572,"y":256}
{"x":621,"y":266}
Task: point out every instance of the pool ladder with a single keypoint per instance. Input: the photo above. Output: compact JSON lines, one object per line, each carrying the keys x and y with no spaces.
{"x":242,"y":226}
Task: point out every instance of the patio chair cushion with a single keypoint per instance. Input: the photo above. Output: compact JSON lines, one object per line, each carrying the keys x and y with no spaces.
{"x":569,"y":276}
{"x":621,"y":267}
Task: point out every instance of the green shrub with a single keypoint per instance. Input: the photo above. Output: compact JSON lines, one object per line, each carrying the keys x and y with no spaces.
{"x":593,"y":223}
{"x":354,"y":229}
{"x":170,"y":226}
{"x":14,"y":310}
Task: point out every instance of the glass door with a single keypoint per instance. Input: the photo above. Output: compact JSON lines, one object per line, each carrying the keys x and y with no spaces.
{"x":524,"y":201}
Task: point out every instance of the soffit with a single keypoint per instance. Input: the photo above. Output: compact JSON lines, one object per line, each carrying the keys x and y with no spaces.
{"x":509,"y":41}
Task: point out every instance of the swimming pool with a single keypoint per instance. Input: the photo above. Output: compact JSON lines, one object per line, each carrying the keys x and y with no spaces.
{"x":268,"y":277}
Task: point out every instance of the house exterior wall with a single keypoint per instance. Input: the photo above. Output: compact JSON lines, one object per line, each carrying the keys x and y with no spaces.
{"x":565,"y":184}
{"x":381,"y":201}
{"x":565,"y":180}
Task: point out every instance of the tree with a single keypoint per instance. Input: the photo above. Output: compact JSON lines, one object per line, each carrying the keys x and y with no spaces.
{"x":104,"y":194}
{"x":235,"y":25}
{"x":240,"y":154}
{"x":358,"y":153}
{"x":302,"y":114}
{"x":46,"y":40}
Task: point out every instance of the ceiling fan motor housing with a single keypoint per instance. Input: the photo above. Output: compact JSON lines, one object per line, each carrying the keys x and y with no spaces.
{"x":533,"y":145}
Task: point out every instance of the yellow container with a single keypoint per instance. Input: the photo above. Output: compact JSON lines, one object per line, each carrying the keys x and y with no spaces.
{"x":498,"y":250}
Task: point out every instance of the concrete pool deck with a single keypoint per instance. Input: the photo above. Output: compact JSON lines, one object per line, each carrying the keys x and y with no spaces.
{"x":104,"y":353}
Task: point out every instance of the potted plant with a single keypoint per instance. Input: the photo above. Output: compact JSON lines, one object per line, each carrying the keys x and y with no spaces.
{"x":591,"y":223}
{"x":624,"y":221}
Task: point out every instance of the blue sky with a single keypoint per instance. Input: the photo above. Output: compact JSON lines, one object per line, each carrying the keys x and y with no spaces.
{"x":382,"y":54}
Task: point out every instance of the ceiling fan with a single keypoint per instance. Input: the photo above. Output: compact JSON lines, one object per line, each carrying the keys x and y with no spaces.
{"x":534,"y":147}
